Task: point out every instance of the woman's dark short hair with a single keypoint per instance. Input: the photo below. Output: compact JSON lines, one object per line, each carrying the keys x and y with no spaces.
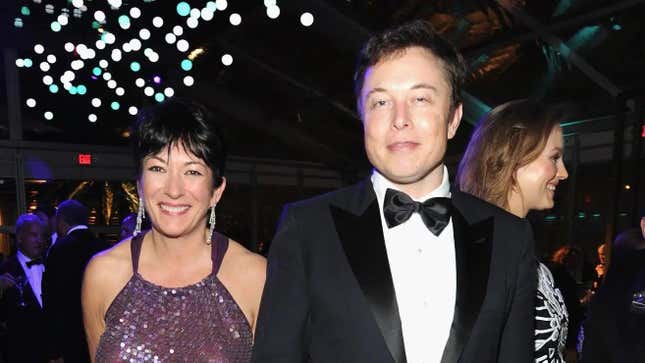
{"x":418,"y":33}
{"x":184,"y":122}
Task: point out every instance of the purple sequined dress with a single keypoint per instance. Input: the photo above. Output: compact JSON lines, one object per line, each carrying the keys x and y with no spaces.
{"x":196,"y":323}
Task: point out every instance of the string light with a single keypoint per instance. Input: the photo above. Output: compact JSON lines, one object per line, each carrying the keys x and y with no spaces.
{"x":106,"y":26}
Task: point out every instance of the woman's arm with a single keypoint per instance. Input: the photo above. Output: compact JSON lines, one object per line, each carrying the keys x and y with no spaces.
{"x":92,"y":299}
{"x":105,"y":275}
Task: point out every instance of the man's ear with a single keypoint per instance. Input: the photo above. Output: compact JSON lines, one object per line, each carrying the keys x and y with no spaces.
{"x":455,"y":121}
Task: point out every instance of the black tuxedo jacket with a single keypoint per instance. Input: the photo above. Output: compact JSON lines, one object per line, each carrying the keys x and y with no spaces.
{"x":26,"y":341}
{"x":329,"y":295}
{"x":62,"y":281}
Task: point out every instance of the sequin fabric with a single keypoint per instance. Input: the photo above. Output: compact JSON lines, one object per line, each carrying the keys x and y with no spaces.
{"x":196,"y":323}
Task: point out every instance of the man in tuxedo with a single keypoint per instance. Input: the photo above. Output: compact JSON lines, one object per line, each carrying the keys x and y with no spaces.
{"x":400,"y":267}
{"x":62,"y":282}
{"x":20,"y":291}
{"x":613,"y":331}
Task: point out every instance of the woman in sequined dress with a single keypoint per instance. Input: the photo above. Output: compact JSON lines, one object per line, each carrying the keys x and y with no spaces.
{"x":179,"y":292}
{"x":514,"y":160}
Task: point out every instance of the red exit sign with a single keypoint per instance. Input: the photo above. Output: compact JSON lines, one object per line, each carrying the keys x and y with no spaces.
{"x":85,"y":159}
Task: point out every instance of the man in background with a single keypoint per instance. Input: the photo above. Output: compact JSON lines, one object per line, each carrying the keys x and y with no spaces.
{"x":62,"y":282}
{"x":20,"y":294}
{"x":613,"y":331}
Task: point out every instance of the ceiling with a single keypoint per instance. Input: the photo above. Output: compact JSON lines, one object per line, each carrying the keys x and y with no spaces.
{"x":288,"y":93}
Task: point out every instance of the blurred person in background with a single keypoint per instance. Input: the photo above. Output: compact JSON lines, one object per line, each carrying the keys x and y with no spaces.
{"x":613,"y":330}
{"x":128,"y":224}
{"x":65,"y":264}
{"x":48,"y":217}
{"x":20,"y":294}
{"x":515,"y":160}
{"x":601,"y":267}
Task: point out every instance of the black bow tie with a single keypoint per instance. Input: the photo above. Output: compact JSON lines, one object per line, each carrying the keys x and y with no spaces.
{"x":398,"y":207}
{"x":35,"y":261}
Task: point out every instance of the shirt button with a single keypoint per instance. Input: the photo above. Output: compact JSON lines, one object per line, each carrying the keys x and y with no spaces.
{"x":419,"y":250}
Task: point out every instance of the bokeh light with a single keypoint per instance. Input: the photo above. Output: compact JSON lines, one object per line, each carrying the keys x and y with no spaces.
{"x":235,"y":19}
{"x":183,"y":9}
{"x":227,"y":59}
{"x":157,"y":22}
{"x":306,"y":19}
{"x":135,"y":66}
{"x":186,"y":64}
{"x":273,"y":11}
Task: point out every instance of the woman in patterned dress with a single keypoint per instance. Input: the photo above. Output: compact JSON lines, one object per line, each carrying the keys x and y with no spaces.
{"x":514,"y":160}
{"x":179,"y":292}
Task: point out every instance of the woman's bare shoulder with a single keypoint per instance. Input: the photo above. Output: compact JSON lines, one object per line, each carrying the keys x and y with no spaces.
{"x":112,"y":267}
{"x":245,"y":262}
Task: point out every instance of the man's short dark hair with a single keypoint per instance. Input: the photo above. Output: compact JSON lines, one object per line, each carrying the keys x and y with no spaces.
{"x":418,"y":33}
{"x":179,"y":122}
{"x":72,"y":212}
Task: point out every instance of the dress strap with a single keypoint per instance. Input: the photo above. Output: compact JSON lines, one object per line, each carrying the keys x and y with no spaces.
{"x":218,"y":250}
{"x":135,"y":251}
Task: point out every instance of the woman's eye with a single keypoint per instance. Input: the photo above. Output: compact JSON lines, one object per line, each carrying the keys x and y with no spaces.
{"x":155,"y":168}
{"x":379,"y":103}
{"x":193,"y":172}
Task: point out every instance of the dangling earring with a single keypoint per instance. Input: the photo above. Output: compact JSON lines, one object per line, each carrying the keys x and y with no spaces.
{"x":211,"y":227}
{"x":140,"y":217}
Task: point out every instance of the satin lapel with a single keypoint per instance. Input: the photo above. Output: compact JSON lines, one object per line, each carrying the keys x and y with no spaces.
{"x":359,"y":228}
{"x":473,"y":246}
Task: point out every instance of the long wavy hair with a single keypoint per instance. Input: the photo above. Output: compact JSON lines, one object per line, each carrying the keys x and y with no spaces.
{"x":510,"y":136}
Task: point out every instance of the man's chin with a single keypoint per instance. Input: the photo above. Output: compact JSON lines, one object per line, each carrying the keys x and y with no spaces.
{"x":406,"y":177}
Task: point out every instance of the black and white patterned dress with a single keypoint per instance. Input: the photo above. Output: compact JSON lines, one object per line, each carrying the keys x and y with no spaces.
{"x":551,"y":320}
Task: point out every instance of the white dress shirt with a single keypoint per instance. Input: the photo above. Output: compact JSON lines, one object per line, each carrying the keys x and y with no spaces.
{"x":77,"y":227}
{"x":34,"y":275}
{"x":424,"y":274}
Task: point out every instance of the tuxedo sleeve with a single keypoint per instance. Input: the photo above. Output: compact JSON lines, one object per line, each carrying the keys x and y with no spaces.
{"x":282,"y":329}
{"x":517,"y":343}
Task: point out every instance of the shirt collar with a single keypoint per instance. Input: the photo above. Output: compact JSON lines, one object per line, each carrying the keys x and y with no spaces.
{"x":381,"y":184}
{"x":80,"y":226}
